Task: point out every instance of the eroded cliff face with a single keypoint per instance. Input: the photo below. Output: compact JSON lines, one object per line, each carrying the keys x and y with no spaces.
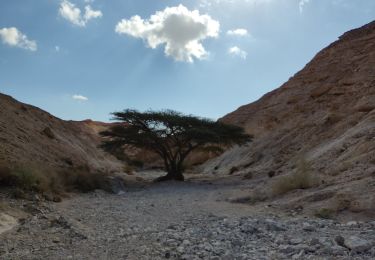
{"x":30,"y":136}
{"x":325,"y":114}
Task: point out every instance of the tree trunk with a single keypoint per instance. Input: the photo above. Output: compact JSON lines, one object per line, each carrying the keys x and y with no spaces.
{"x":171,"y":176}
{"x":174,"y":171}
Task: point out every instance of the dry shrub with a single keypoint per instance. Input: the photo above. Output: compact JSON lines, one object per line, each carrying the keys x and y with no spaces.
{"x":83,"y":181}
{"x":26,"y":179}
{"x":302,"y":178}
{"x":325,"y":213}
{"x":29,"y":179}
{"x":342,"y":201}
{"x":346,"y":201}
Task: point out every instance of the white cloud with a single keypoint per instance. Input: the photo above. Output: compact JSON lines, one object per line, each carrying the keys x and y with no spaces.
{"x":302,"y":4}
{"x":80,"y":98}
{"x":211,"y":3}
{"x":91,"y":14}
{"x":13,"y":37}
{"x":179,"y":29}
{"x":236,"y":51}
{"x":238,"y":32}
{"x":71,"y":13}
{"x":74,"y":15}
{"x":57,"y":48}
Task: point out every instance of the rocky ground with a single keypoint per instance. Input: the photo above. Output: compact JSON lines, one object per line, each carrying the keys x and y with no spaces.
{"x":191,"y":220}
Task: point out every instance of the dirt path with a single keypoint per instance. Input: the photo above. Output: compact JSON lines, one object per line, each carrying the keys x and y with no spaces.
{"x":191,"y":220}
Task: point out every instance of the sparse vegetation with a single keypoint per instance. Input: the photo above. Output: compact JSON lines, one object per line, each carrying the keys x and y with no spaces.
{"x":84,"y":181}
{"x":302,"y":178}
{"x":325,"y":213}
{"x":29,"y":180}
{"x":171,"y":135}
{"x":32,"y":179}
{"x":343,"y":201}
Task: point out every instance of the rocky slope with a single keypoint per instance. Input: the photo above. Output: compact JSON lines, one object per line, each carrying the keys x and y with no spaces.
{"x":31,"y":136}
{"x":324,"y":115}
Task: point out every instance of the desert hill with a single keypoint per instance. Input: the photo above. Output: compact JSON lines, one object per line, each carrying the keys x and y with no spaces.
{"x":31,"y":136}
{"x":324,"y":115}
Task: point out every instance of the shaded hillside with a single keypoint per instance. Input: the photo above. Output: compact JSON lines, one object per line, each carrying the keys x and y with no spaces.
{"x":31,"y":136}
{"x":325,"y":114}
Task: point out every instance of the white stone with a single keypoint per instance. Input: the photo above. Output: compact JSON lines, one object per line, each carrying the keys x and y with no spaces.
{"x":357,"y":244}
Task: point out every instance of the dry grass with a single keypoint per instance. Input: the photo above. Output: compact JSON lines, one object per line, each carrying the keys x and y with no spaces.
{"x":325,"y":213}
{"x":84,"y":181}
{"x":26,"y":179}
{"x":302,"y":178}
{"x":341,"y":202}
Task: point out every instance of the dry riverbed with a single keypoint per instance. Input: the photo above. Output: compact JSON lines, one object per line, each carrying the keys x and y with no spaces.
{"x":190,"y":220}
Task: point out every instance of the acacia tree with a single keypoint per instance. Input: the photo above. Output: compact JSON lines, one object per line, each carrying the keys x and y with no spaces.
{"x":170,"y":134}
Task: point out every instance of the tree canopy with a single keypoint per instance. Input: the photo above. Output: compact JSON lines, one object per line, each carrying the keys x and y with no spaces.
{"x":170,"y":134}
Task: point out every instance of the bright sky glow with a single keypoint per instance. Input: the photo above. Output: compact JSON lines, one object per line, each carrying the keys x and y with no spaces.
{"x":81,"y":59}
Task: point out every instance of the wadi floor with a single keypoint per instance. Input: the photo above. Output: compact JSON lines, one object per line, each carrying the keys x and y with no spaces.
{"x":190,"y":220}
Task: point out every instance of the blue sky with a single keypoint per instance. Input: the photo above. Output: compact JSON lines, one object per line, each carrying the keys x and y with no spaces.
{"x":88,"y":63}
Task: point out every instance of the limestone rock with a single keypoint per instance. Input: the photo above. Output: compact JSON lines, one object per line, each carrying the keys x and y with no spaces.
{"x":357,"y":244}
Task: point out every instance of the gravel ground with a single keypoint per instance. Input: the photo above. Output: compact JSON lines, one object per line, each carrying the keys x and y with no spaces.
{"x":191,"y":220}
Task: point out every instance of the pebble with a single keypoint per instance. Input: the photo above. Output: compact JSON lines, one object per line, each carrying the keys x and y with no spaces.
{"x":191,"y":237}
